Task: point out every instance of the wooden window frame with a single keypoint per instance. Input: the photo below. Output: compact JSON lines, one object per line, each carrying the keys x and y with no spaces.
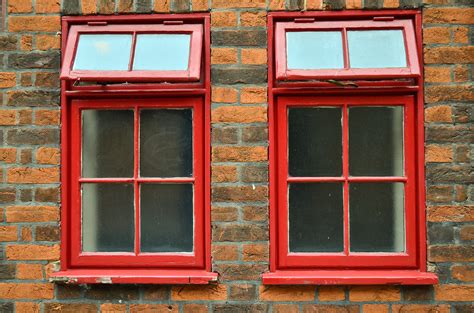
{"x":118,"y":93}
{"x":313,"y":89}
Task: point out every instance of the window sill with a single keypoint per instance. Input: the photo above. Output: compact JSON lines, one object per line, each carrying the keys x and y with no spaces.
{"x":133,"y":276}
{"x":350,"y":277}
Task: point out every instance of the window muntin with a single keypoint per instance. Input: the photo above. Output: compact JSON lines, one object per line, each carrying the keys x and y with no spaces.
{"x":134,"y":52}
{"x":345,"y":50}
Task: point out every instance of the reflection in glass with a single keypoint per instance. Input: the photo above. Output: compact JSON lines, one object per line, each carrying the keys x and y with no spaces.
{"x":166,"y":147}
{"x":376,"y":48}
{"x":103,"y":52}
{"x":315,"y":217}
{"x":314,"y":50}
{"x":107,"y":143}
{"x":315,"y":141}
{"x":162,"y":52}
{"x":376,"y":217}
{"x":376,"y":141}
{"x":166,"y":217}
{"x":107,"y":218}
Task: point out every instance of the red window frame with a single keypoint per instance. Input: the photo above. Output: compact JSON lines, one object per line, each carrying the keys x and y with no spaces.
{"x":386,"y":87}
{"x":406,"y":25}
{"x":191,"y":74}
{"x":144,"y":92}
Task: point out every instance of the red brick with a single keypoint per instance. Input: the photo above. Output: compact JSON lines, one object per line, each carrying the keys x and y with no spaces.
{"x":467,"y":232}
{"x":7,"y":79}
{"x":448,"y":15}
{"x":222,"y":174}
{"x":451,"y":213}
{"x":195,"y":308}
{"x":435,"y":153}
{"x":375,"y":308}
{"x":27,"y":307}
{"x":253,"y":19}
{"x":318,"y":308}
{"x":8,"y":233}
{"x":223,"y":214}
{"x":374,"y":293}
{"x":113,"y":308}
{"x":223,"y":19}
{"x":225,"y":253}
{"x":16,"y":214}
{"x":46,"y":155}
{"x":254,"y":56}
{"x":331,"y":293}
{"x":224,"y":95}
{"x":48,"y":6}
{"x":26,"y":291}
{"x":223,"y":55}
{"x":29,"y":271}
{"x":239,"y":154}
{"x":286,"y":293}
{"x":19,"y":6}
{"x":26,"y":175}
{"x":255,"y":214}
{"x":34,"y":23}
{"x":239,"y":114}
{"x":463,"y":273}
{"x":32,"y":252}
{"x":70,"y":308}
{"x":239,"y":193}
{"x":454,"y":292}
{"x":47,"y":42}
{"x":255,"y":252}
{"x":199,"y":293}
{"x":419,"y":308}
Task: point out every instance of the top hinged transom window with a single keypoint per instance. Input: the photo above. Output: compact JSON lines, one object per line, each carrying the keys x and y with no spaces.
{"x":362,"y":49}
{"x":157,"y":52}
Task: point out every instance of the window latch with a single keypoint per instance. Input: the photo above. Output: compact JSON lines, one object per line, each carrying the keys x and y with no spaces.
{"x":97,"y":23}
{"x":384,"y":18}
{"x":173,"y":22}
{"x":304,"y":20}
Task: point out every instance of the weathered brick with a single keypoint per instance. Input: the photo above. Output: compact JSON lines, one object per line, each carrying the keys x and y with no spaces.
{"x":225,"y":253}
{"x":451,"y":213}
{"x":440,"y":113}
{"x":162,"y":6}
{"x":223,"y":214}
{"x":159,"y":308}
{"x":225,"y":135}
{"x":239,"y":193}
{"x":26,"y":291}
{"x":25,"y":175}
{"x":448,"y":15}
{"x":8,"y":233}
{"x":255,"y":213}
{"x":222,"y":4}
{"x":7,"y":271}
{"x":464,"y":273}
{"x":112,"y":292}
{"x":255,"y":134}
{"x":7,"y":195}
{"x":199,"y":293}
{"x":33,"y":98}
{"x":331,"y":293}
{"x":280,"y":4}
{"x":46,"y":155}
{"x":442,"y":173}
{"x":224,"y":174}
{"x":47,"y":79}
{"x":449,"y":134}
{"x":8,"y":117}
{"x":238,"y":38}
{"x":47,"y":194}
{"x":440,"y":234}
{"x":374,"y":293}
{"x":242,"y":292}
{"x":286,"y":293}
{"x":37,"y":23}
{"x":195,"y":308}
{"x":255,"y":252}
{"x":237,"y":233}
{"x":417,"y":293}
{"x":240,"y":75}
{"x":230,"y":272}
{"x":47,"y":233}
{"x":8,"y":42}
{"x":239,"y":114}
{"x":70,"y":307}
{"x":156,"y":292}
{"x":452,"y":253}
{"x":26,"y":234}
{"x":113,"y":308}
{"x":32,"y":136}
{"x":239,"y":154}
{"x":467,"y":232}
{"x":40,"y":60}
{"x":144,"y":6}
{"x":439,"y":194}
{"x":254,"y":174}
{"x":317,"y":308}
{"x":454,"y":292}
{"x":412,"y":308}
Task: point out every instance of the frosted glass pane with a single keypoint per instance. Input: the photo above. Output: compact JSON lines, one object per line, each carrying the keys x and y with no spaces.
{"x":376,"y":48}
{"x":316,"y":217}
{"x":376,"y":141}
{"x":107,"y":143}
{"x":103,"y":52}
{"x":315,"y":142}
{"x":314,"y":50}
{"x":376,"y":217}
{"x":162,"y":52}
{"x":166,"y":143}
{"x":107,"y":218}
{"x":166,"y":217}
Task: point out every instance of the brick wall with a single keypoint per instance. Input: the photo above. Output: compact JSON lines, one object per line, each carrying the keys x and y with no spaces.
{"x":29,"y":176}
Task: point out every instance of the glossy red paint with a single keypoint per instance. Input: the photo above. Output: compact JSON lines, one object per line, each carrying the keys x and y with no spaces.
{"x":407,"y":91}
{"x":136,"y":267}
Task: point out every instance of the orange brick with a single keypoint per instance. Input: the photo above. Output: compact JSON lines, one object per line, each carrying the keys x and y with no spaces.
{"x":8,"y":155}
{"x":47,"y":117}
{"x":254,"y":56}
{"x":461,"y":73}
{"x":113,"y":308}
{"x":223,"y":55}
{"x":221,"y":174}
{"x":90,"y":6}
{"x":437,"y":74}
{"x":253,"y":95}
{"x":26,"y":291}
{"x":391,"y":3}
{"x":253,"y":19}
{"x":199,"y":5}
{"x":223,"y":19}
{"x":27,"y":307}
{"x":125,"y":6}
{"x":34,"y":23}
{"x":461,"y":35}
{"x":448,"y":15}
{"x":29,"y":271}
{"x":47,"y":42}
{"x":314,"y":4}
{"x":354,"y":4}
{"x":7,"y":117}
{"x":32,"y":252}
{"x":454,"y":292}
{"x":418,"y":308}
{"x":21,"y":214}
{"x":239,"y":154}
{"x":26,"y":175}
{"x":234,"y":4}
{"x":219,"y":94}
{"x":162,"y":6}
{"x":199,"y":293}
{"x":449,"y":55}
{"x":442,"y":93}
{"x":286,"y":293}
{"x":225,"y":253}
{"x":451,"y":213}
{"x":331,"y":293}
{"x":285,"y":308}
{"x":374,"y":293}
{"x":436,"y":35}
{"x":26,"y":43}
{"x":26,"y":234}
{"x":375,"y":308}
{"x":20,"y":6}
{"x":45,"y":155}
{"x":255,"y":252}
{"x":435,"y":153}
{"x":8,"y":233}
{"x":7,"y":79}
{"x":440,"y":113}
{"x":239,"y":114}
{"x":48,"y":6}
{"x":463,"y":273}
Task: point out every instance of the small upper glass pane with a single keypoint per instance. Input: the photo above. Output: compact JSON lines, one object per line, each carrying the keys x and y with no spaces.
{"x":162,"y":52}
{"x":376,"y":48}
{"x":314,"y":50}
{"x":103,"y":52}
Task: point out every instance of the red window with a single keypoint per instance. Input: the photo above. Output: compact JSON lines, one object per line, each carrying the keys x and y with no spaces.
{"x":135,"y":163}
{"x":346,"y":164}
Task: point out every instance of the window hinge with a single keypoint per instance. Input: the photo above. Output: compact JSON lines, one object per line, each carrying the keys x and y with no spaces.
{"x":173,"y":22}
{"x":304,"y":20}
{"x":384,"y":18}
{"x":97,"y":23}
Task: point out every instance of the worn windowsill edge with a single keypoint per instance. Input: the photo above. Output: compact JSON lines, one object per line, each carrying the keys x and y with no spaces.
{"x":349,"y":277}
{"x":130,"y":276}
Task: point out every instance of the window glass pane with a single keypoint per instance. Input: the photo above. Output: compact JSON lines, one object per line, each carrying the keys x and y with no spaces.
{"x":376,"y":141}
{"x":103,"y":52}
{"x":166,"y":143}
{"x":376,"y":217}
{"x":315,"y":142}
{"x":162,"y":52}
{"x":107,"y":218}
{"x":376,"y":48}
{"x":316,"y":217}
{"x":107,"y":143}
{"x":314,"y":50}
{"x":166,"y":217}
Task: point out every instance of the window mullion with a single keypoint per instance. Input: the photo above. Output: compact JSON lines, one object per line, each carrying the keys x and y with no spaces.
{"x":345,"y":173}
{"x":136,"y":152}
{"x":345,"y":48}
{"x":132,"y":52}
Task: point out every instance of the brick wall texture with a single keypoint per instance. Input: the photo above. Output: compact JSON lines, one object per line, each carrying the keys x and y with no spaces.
{"x":29,"y":173}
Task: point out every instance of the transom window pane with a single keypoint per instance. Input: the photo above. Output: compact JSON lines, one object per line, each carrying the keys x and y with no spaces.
{"x":162,"y":52}
{"x":376,"y":48}
{"x":314,"y":50}
{"x":103,"y":52}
